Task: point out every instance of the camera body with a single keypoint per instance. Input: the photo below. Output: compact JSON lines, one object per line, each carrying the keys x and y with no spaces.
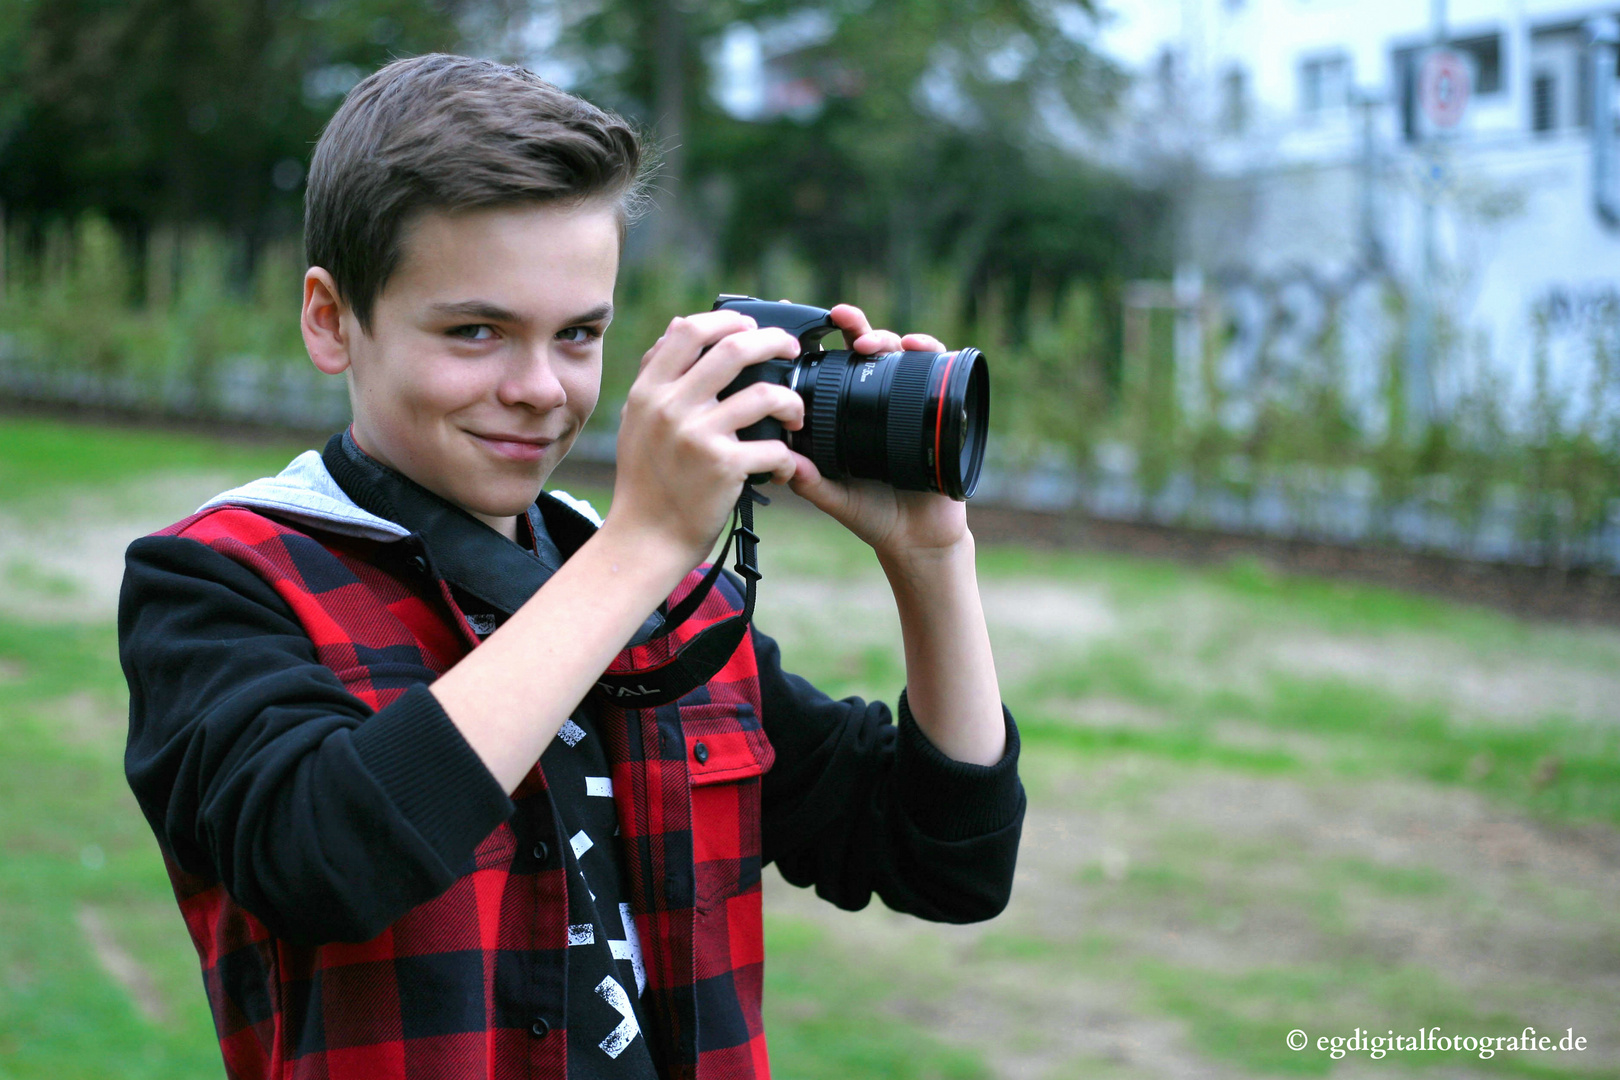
{"x":915,"y":420}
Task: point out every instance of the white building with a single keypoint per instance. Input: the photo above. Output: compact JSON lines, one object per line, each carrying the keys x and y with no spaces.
{"x":1296,"y":134}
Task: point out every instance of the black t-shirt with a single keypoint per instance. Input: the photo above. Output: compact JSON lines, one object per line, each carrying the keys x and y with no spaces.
{"x":606,"y":1027}
{"x":607,"y":1030}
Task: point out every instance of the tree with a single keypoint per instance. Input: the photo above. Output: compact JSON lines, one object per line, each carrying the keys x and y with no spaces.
{"x":938,"y":138}
{"x":190,"y":111}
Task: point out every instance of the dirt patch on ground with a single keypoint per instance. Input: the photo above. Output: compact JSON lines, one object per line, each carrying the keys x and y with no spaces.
{"x":1500,"y":688}
{"x":1028,"y":620}
{"x":1058,"y":615}
{"x":84,"y":719}
{"x":69,"y":566}
{"x":1022,"y":1021}
{"x":124,"y":969}
{"x":1096,"y":711}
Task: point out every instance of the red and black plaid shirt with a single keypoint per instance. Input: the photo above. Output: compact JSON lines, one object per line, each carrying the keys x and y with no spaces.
{"x":470,"y":983}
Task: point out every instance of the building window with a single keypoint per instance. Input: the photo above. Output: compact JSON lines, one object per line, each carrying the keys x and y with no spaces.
{"x":1544,"y":102}
{"x":1234,"y":118}
{"x":1560,"y":79}
{"x":1324,"y":83}
{"x":1486,"y":53}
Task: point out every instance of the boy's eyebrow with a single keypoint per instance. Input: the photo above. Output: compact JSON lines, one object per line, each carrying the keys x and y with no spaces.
{"x":600,"y":313}
{"x":484,"y":311}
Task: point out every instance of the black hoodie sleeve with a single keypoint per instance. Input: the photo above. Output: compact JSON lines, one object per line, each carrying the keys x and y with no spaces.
{"x":256,"y":767}
{"x":857,"y":804}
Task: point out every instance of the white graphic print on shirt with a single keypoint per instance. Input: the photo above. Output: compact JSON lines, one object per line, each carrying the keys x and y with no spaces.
{"x":619,"y":1038}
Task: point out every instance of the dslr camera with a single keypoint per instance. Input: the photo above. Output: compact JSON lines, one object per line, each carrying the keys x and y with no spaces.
{"x":914,"y":420}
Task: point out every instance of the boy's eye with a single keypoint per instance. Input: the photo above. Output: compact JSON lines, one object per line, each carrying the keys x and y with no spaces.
{"x":473,"y":332}
{"x":579,"y":335}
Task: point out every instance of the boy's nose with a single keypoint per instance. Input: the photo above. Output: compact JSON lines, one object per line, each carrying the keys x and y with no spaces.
{"x":530,"y":381}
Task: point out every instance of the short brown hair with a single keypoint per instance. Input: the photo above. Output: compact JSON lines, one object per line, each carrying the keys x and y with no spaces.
{"x":452,"y":133}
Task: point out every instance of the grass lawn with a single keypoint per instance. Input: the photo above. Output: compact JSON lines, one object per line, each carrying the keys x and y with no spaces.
{"x":1257,"y":804}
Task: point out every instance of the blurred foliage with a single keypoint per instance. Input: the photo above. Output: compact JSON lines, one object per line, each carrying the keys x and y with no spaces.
{"x":193,"y":344}
{"x":184,"y":112}
{"x":924,"y":144}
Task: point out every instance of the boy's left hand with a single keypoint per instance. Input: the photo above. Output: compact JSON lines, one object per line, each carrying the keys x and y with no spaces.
{"x":896,"y":523}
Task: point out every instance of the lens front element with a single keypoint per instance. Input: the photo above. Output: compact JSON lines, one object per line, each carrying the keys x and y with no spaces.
{"x":914,"y":420}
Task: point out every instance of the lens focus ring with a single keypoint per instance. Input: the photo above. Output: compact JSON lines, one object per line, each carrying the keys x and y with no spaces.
{"x":831,"y":375}
{"x":909,"y":437}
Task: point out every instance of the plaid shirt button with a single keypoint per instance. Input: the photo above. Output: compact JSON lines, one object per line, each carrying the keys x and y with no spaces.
{"x":700,"y":752}
{"x":541,"y":852}
{"x":539,"y":1029}
{"x":672,"y":889}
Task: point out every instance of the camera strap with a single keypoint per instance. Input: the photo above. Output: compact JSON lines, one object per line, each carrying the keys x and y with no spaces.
{"x":656,"y":671}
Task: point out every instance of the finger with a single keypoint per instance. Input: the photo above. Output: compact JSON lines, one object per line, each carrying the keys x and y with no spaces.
{"x":752,"y":404}
{"x":922,"y":343}
{"x":686,"y":338}
{"x":766,"y":456}
{"x":877,"y":341}
{"x":852,"y":321}
{"x":715,"y":370}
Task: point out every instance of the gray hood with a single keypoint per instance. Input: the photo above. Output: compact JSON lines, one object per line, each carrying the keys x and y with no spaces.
{"x":305,"y":492}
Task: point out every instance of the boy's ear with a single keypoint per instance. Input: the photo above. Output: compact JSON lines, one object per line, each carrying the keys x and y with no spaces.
{"x":325,"y":336}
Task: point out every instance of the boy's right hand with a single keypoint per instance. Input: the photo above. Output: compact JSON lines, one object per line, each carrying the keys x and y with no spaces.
{"x":680,"y":464}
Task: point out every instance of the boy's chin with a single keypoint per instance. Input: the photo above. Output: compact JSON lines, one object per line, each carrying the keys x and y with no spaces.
{"x":505,"y":503}
{"x":497,"y":496}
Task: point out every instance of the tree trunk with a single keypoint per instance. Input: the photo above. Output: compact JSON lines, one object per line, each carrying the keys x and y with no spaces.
{"x":669,"y":105}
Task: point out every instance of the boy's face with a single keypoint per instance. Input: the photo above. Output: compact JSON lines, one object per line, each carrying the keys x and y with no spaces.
{"x":484,"y":358}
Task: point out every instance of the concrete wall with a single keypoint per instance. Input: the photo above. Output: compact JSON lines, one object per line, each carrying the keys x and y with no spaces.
{"x":1281,"y":196}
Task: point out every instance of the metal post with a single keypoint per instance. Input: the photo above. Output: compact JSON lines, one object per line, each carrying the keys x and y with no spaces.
{"x":1602,"y":41}
{"x":1372,"y":250}
{"x":1187,"y":290}
{"x":1420,"y":347}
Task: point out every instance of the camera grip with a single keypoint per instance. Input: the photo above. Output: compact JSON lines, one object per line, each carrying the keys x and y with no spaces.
{"x":768,"y":427}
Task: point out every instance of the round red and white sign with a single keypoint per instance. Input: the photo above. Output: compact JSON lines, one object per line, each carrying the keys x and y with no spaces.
{"x":1444,"y":84}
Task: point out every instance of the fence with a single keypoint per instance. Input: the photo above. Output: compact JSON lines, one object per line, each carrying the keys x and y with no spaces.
{"x":1222,"y":411}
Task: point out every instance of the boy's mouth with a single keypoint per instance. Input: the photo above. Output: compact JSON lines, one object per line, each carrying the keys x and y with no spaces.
{"x":513,"y":447}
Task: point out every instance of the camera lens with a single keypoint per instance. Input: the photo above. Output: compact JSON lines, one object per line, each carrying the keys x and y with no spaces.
{"x":914,"y":420}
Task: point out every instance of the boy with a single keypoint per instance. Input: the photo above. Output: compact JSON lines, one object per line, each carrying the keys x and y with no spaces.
{"x":407,"y":838}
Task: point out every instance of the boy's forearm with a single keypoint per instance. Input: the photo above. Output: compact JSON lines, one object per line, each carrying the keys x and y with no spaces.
{"x":509,"y":696}
{"x":950,"y":673}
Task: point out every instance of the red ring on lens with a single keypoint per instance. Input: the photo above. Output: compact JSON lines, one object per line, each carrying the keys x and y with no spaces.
{"x":939,"y":421}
